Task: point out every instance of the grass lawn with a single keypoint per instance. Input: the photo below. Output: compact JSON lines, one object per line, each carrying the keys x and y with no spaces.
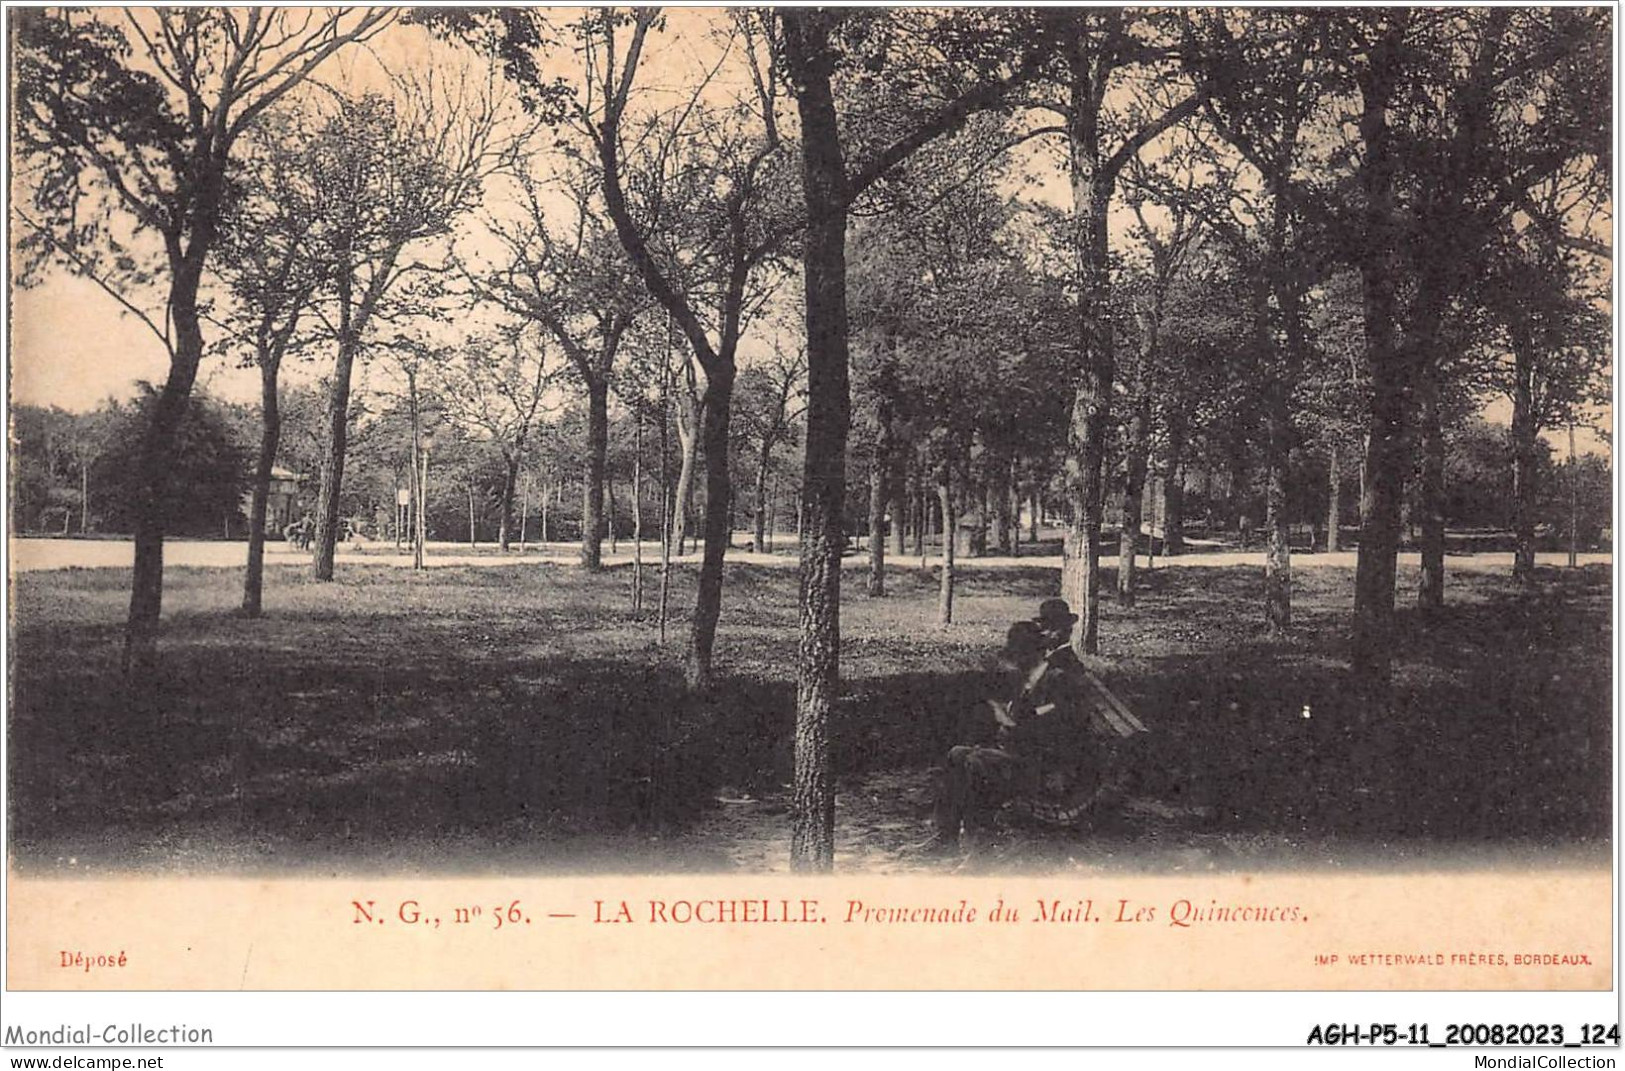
{"x":521,"y":718}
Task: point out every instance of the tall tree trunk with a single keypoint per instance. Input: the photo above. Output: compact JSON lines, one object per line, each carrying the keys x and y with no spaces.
{"x":878,"y":461}
{"x":876,"y":585}
{"x":665,"y":499}
{"x":1364,"y":475}
{"x":1091,"y":403}
{"x":338,"y":429}
{"x":524,"y":516}
{"x":999,"y":488}
{"x":717,"y":521}
{"x":84,"y":493}
{"x":1134,"y":469}
{"x":1080,"y":573}
{"x":695,"y":511}
{"x":688,"y":445}
{"x":1236,"y":484}
{"x":828,"y":413}
{"x":945,"y":589}
{"x":922,"y":520}
{"x":614,"y":514}
{"x":592,"y":485}
{"x":1278,"y":549}
{"x":1378,"y":556}
{"x":976,"y":534}
{"x":152,"y":493}
{"x":1525,"y":438}
{"x":1386,"y":454}
{"x":471,"y":530}
{"x":1334,"y":499}
{"x":420,"y":473}
{"x":1574,"y":503}
{"x":155,"y":465}
{"x":1013,"y":509}
{"x":1448,"y":237}
{"x":1421,"y":355}
{"x":899,"y":506}
{"x":1151,"y":521}
{"x":773,"y":514}
{"x":510,"y":483}
{"x":1282,"y":364}
{"x":1430,"y":594}
{"x":270,"y":432}
{"x":637,"y":512}
{"x":423,"y":511}
{"x":1173,"y":486}
{"x":759,"y":537}
{"x":1173,"y":510}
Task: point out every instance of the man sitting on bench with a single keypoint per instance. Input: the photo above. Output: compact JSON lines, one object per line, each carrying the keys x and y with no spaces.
{"x":1044,"y":733}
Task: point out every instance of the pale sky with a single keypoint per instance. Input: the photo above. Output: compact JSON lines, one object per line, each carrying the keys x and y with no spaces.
{"x":73,"y":346}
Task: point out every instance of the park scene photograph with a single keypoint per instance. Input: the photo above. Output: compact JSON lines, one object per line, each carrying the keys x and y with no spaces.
{"x":1062,"y":440}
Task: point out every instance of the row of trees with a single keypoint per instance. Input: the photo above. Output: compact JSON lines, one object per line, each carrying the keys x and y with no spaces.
{"x":1041,"y":254}
{"x":74,"y":475}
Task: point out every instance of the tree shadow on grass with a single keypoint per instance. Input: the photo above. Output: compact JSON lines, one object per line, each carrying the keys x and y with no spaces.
{"x":492,"y":728}
{"x":1496,"y":730}
{"x":374,"y":758}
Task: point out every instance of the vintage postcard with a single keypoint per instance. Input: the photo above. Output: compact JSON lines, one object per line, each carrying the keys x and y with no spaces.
{"x":1073,"y":499}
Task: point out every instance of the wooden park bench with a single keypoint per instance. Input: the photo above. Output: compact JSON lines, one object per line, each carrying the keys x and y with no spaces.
{"x":1072,"y":795}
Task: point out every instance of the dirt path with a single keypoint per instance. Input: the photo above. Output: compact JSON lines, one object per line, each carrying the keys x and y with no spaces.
{"x":35,"y":554}
{"x":881,"y":817}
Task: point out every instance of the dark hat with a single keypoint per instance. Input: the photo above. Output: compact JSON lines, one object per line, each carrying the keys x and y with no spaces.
{"x":1024,"y":640}
{"x":1054,"y":615}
